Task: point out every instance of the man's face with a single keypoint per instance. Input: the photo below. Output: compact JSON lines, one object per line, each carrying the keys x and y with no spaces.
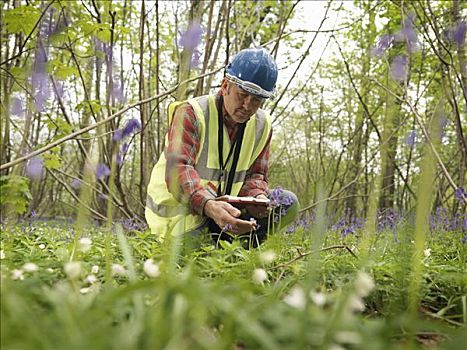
{"x":239,"y":104}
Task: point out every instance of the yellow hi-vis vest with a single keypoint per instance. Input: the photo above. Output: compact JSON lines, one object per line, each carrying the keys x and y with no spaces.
{"x":164,"y":213}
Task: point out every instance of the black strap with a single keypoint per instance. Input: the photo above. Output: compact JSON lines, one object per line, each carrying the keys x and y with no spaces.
{"x":220,"y":143}
{"x":238,"y":146}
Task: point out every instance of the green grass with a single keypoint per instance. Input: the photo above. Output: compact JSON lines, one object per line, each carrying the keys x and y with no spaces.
{"x":207,"y":298}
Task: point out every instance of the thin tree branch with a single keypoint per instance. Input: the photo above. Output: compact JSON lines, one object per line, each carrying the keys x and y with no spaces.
{"x":103,"y":121}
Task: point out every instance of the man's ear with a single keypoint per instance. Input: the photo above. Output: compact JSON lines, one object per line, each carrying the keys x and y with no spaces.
{"x":224,"y":86}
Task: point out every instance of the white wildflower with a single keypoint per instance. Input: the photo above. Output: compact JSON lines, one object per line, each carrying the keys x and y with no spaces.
{"x":72,"y":269}
{"x":118,"y":270}
{"x":335,"y":347}
{"x":296,"y":298}
{"x":49,"y":270}
{"x":85,"y":290}
{"x":318,"y":298}
{"x":90,"y":279}
{"x":427,"y":252}
{"x":95,"y":269}
{"x":151,"y":269}
{"x":267,"y":257}
{"x":17,"y":274}
{"x":42,"y":246}
{"x":348,"y":337}
{"x":259,"y":276}
{"x":84,"y":244}
{"x":363,"y":284}
{"x":355,"y":303}
{"x":2,"y":255}
{"x":30,"y":267}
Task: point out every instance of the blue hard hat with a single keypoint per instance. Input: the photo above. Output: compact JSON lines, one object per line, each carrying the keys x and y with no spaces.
{"x":255,"y":71}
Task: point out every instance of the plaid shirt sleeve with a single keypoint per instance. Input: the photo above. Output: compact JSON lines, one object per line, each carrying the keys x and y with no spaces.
{"x":181,"y":177}
{"x":256,"y":180}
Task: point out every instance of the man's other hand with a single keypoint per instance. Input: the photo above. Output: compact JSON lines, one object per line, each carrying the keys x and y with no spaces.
{"x":226,"y":217}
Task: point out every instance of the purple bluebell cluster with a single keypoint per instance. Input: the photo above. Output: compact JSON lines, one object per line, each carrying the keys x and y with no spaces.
{"x":348,"y":224}
{"x":76,"y":184}
{"x":408,"y":34}
{"x":460,"y":194}
{"x":131,"y":126}
{"x":121,"y":154}
{"x":456,"y":34}
{"x":303,"y":221}
{"x":117,"y":91}
{"x":399,"y":68}
{"x":227,"y":227}
{"x":280,"y":200}
{"x":35,"y":168}
{"x":134,"y":224}
{"x":39,"y":80}
{"x":279,"y":197}
{"x":383,"y":43}
{"x":441,"y":221}
{"x":410,"y":138}
{"x":189,"y":40}
{"x":102,"y":171}
{"x":16,"y":107}
{"x":388,"y":220}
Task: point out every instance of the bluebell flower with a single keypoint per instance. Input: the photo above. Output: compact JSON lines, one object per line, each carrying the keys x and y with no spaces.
{"x":399,"y":68}
{"x":118,"y":135}
{"x":410,"y":138}
{"x":191,"y":38}
{"x":460,"y":194}
{"x":102,"y":171}
{"x":119,"y":159}
{"x":383,"y":43}
{"x":130,"y":127}
{"x":16,"y":106}
{"x":125,"y":147}
{"x":227,"y":227}
{"x":117,"y":91}
{"x":408,"y":33}
{"x":456,"y":34}
{"x":76,"y":184}
{"x":276,"y":218}
{"x":347,"y":230}
{"x":279,"y":197}
{"x":35,"y":168}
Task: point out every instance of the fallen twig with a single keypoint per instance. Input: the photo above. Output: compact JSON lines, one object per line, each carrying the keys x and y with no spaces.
{"x":301,"y":255}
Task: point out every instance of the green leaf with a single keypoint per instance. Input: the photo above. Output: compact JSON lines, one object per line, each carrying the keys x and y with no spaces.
{"x":14,"y":193}
{"x":52,"y":160}
{"x":60,"y":70}
{"x":86,"y":105}
{"x":103,"y":35}
{"x":21,"y":19}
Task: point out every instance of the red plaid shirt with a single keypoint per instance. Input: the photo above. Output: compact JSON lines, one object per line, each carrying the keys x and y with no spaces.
{"x":181,"y":154}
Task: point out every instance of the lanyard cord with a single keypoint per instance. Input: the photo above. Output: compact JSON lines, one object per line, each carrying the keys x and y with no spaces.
{"x":237,"y":144}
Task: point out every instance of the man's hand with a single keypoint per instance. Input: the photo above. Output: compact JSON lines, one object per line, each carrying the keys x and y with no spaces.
{"x":258,"y":211}
{"x":226,"y":215}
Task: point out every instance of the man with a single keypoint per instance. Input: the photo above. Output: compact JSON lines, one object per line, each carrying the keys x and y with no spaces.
{"x":219,"y":145}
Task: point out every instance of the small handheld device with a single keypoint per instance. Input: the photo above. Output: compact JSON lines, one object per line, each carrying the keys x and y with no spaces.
{"x":241,"y":202}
